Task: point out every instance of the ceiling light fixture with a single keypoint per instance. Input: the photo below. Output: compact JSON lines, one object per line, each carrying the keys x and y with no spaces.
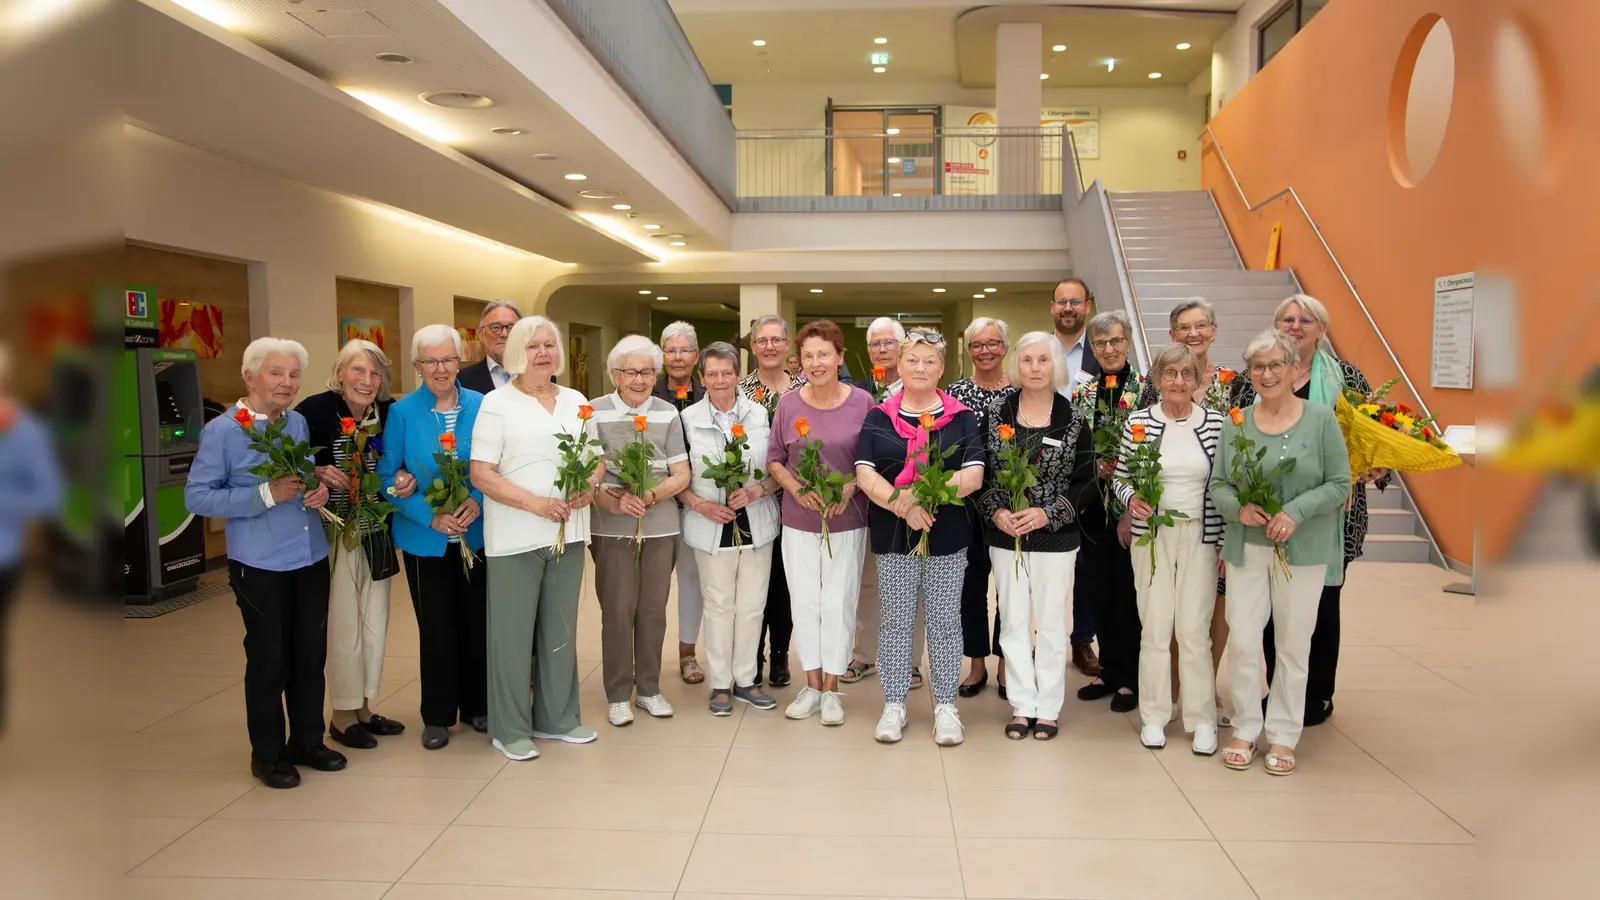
{"x":614,"y":226}
{"x":758,"y":43}
{"x":1059,"y":47}
{"x":1043,"y":76}
{"x":662,"y":298}
{"x":645,"y":291}
{"x":1184,"y":46}
{"x":600,"y":195}
{"x":816,"y":290}
{"x":938,"y":290}
{"x":977,"y":296}
{"x":398,"y":59}
{"x":880,"y":40}
{"x":1111,"y":65}
{"x":576,"y":176}
{"x":507,"y":131}
{"x":651,"y":227}
{"x":404,"y":114}
{"x":456,"y":99}
{"x":895,"y":194}
{"x":621,"y":206}
{"x":679,"y":243}
{"x":990,"y":290}
{"x":879,"y":69}
{"x":544,"y":157}
{"x":1155,"y":74}
{"x":891,"y":131}
{"x":894,"y":159}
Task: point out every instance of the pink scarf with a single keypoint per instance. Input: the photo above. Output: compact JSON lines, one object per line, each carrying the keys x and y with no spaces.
{"x":916,"y":437}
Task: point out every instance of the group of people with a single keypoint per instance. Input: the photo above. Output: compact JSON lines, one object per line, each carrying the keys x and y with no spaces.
{"x":491,"y":521}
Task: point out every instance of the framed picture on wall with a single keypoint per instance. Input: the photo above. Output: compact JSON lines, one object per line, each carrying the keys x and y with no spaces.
{"x":353,"y":328}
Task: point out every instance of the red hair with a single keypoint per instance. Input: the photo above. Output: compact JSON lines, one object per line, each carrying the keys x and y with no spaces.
{"x":824,"y":329}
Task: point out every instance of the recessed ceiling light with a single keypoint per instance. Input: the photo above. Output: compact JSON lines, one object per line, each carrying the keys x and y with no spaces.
{"x":938,"y":290}
{"x":645,"y":291}
{"x":1184,"y":46}
{"x":1043,"y":75}
{"x":880,"y":40}
{"x":679,"y":243}
{"x":507,"y":131}
{"x":879,"y":69}
{"x":990,"y":290}
{"x":576,"y":176}
{"x":457,"y":99}
{"x":816,"y":290}
{"x":895,"y":194}
{"x":758,"y":43}
{"x":651,"y":227}
{"x":1155,"y":74}
{"x":977,"y":296}
{"x":621,"y":206}
{"x":600,"y":195}
{"x":544,"y":157}
{"x":1111,"y":65}
{"x":891,"y":131}
{"x":398,"y":59}
{"x":1059,"y":47}
{"x":894,"y":159}
{"x":661,"y":298}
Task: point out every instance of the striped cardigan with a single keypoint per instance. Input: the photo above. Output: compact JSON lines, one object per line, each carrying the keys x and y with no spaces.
{"x":1210,"y":435}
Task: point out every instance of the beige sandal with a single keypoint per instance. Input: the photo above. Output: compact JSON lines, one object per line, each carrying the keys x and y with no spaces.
{"x":1280,"y":763}
{"x":689,"y":668}
{"x":1239,"y":758}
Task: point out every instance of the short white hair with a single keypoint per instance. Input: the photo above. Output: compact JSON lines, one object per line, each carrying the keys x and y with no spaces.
{"x":352,"y":349}
{"x":1111,"y":318}
{"x":429,"y":335}
{"x":681,"y":330}
{"x":633,"y":345}
{"x":255,"y":355}
{"x":1013,"y":365}
{"x":982,"y":322}
{"x":516,"y":361}
{"x":1266,"y":342}
{"x":1192,"y":303}
{"x":884,"y":322}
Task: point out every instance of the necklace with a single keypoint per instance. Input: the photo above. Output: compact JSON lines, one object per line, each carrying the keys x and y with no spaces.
{"x":999,"y":385}
{"x":535,"y":392}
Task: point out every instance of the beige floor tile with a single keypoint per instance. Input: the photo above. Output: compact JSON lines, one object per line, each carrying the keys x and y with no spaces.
{"x":480,"y":892}
{"x":1103,"y":869}
{"x":598,"y":806}
{"x":739,"y":809}
{"x":833,"y":866}
{"x":773,"y":730}
{"x":607,"y":761}
{"x":1283,"y":871}
{"x":1152,"y":815}
{"x":1432,"y":769}
{"x":181,"y":688}
{"x":522,"y":857}
{"x":142,"y":712}
{"x":198,"y":794}
{"x":1380,"y":818}
{"x":1474,"y":812}
{"x":185,"y":752}
{"x":402,"y":668}
{"x":221,"y":713}
{"x":402,"y":647}
{"x":257,"y":848}
{"x":250,"y":889}
{"x":1326,"y":760}
{"x":1054,"y":766}
{"x":868,"y":767}
{"x":1385,"y":669}
{"x":468,"y":755}
{"x":347,"y":797}
{"x":147,"y":835}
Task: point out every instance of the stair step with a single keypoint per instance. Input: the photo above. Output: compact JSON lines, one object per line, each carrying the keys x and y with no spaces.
{"x":1391,"y":521}
{"x":1225,"y":309}
{"x":1146,"y":195}
{"x":1157,"y":215}
{"x":1224,"y":264}
{"x":1179,"y":275}
{"x":1134,"y":243}
{"x":1395,"y":548}
{"x":1180,"y":228}
{"x":1393,"y":498}
{"x":1216,"y":293}
{"x":1173,"y":200}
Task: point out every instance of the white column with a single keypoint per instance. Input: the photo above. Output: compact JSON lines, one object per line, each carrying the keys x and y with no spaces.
{"x":1019,"y":95}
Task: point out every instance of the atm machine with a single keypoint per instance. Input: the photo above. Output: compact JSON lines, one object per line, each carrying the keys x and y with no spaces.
{"x":159,"y":416}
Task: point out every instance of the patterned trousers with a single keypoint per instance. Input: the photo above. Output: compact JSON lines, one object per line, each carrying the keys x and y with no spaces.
{"x":937,"y":581}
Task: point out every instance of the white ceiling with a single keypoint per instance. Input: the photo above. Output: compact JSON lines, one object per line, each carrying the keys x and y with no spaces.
{"x":712,"y":301}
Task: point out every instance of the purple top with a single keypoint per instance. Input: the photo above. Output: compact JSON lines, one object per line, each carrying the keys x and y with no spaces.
{"x":839,"y":430}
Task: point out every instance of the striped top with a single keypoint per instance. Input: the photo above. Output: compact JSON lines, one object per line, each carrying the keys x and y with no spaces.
{"x":1208,"y":432}
{"x":447,"y":422}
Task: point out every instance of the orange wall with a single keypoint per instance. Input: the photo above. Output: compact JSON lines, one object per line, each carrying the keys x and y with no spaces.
{"x":1316,"y":119}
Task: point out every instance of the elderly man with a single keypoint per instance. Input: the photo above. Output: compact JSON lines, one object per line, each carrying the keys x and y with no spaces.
{"x":490,"y":372}
{"x":883,"y":348}
{"x":680,"y":350}
{"x":1071,"y":306}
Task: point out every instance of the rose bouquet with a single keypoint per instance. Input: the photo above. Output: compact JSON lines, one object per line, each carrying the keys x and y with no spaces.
{"x":368,"y":510}
{"x":1386,"y":435}
{"x":450,"y":490}
{"x":816,"y":478}
{"x":1109,"y":421}
{"x":1015,"y":475}
{"x":1255,"y":484}
{"x":636,"y":471}
{"x":931,"y":487}
{"x":285,"y":456}
{"x":731,"y":473}
{"x":578,"y":460}
{"x":1144,"y":474}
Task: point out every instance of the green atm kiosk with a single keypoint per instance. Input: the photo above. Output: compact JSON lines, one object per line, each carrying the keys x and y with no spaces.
{"x":159,"y":416}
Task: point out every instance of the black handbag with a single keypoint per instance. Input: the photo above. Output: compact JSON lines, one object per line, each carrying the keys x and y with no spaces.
{"x":382,"y":561}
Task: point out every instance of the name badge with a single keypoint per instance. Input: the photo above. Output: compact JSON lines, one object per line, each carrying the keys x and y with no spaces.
{"x":1082,"y":376}
{"x":1050,"y":442}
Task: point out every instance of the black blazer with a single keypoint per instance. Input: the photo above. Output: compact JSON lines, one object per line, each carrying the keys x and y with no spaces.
{"x":476,"y":377}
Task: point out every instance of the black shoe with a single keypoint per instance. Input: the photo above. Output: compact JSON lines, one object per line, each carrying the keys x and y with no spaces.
{"x":381,"y":727}
{"x":434,"y":737}
{"x":761,"y":661}
{"x":355,"y":737}
{"x":1001,"y":690}
{"x":1122,"y":703}
{"x":1095,"y":690}
{"x":480,"y":724}
{"x":280,"y":774}
{"x":1317,"y":713}
{"x":779,"y":673}
{"x":975,"y":688}
{"x":319,"y":757}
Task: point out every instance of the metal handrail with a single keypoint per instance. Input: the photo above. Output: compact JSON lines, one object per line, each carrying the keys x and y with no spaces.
{"x":1393,"y":357}
{"x":1077,"y":163}
{"x":1138,"y":337}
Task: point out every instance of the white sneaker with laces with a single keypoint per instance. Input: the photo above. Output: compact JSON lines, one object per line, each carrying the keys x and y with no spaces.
{"x":891,"y":724}
{"x":832,"y":708}
{"x":619,"y":714}
{"x":1153,"y":736}
{"x":1205,"y":740}
{"x":656,"y":705}
{"x":805,"y":704}
{"x":947,"y":730}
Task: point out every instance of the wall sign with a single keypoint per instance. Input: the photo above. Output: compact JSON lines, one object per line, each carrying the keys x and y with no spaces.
{"x":1453,"y":331}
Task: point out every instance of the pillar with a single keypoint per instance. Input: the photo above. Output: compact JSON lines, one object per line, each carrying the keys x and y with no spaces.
{"x":1019,"y":96}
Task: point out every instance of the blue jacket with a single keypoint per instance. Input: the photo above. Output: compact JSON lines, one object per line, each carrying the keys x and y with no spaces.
{"x":410,"y":439}
{"x":30,"y":483}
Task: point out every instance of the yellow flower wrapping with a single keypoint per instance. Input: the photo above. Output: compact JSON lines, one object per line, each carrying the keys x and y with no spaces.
{"x":1373,"y":445}
{"x":1543,"y":446}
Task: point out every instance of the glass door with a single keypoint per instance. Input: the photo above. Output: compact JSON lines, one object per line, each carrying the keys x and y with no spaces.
{"x":881,"y":151}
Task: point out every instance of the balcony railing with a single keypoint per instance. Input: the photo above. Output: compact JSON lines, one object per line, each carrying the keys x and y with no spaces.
{"x":911,"y":169}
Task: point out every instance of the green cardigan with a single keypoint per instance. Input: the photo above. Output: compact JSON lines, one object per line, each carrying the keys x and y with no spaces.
{"x":1314,"y":494}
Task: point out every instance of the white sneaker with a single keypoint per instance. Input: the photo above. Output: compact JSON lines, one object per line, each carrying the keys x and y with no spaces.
{"x":1154,"y":737}
{"x":1205,"y":740}
{"x":805,"y":704}
{"x":891,"y":724}
{"x":947,"y":730}
{"x":656,"y":705}
{"x":832,"y":708}
{"x":619,"y":714}
{"x":517,"y":750}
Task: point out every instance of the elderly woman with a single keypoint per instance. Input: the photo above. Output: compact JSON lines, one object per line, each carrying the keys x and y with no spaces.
{"x":533,"y":582}
{"x":731,"y":533}
{"x":986,"y":340}
{"x":1054,"y":437}
{"x":920,"y":424}
{"x":635,"y":539}
{"x":1105,"y":568}
{"x":1175,"y":576}
{"x":680,"y":351}
{"x":769,"y":344}
{"x":358,"y":602}
{"x":447,"y":597}
{"x":1306,"y":534}
{"x":824,"y":575}
{"x":1319,"y":376}
{"x":277,"y":565}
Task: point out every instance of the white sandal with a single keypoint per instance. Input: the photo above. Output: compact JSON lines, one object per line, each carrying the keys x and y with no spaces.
{"x":1280,"y":763}
{"x":1247,"y":753}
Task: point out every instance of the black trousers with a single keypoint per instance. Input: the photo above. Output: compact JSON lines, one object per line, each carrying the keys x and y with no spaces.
{"x":975,"y":641}
{"x":8,"y":587}
{"x":777,"y":623}
{"x":453,"y":626}
{"x":1104,"y":578}
{"x":285,"y":647}
{"x":1323,"y":666}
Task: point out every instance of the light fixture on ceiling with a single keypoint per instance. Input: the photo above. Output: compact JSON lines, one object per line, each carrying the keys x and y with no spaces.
{"x":891,"y":131}
{"x":880,"y":40}
{"x":977,"y":296}
{"x":816,"y":290}
{"x":896,"y":194}
{"x":544,"y":157}
{"x":1155,"y":75}
{"x":894,"y":159}
{"x":661,"y":298}
{"x":600,"y":195}
{"x":1111,"y":65}
{"x":457,"y":99}
{"x":621,"y":206}
{"x":679,"y":243}
{"x":398,"y":59}
{"x":758,"y":43}
{"x":879,"y":69}
{"x":576,"y":176}
{"x":990,"y":290}
{"x":1059,"y":47}
{"x":650,"y":227}
{"x":645,"y":291}
{"x":508,"y":132}
{"x":1043,"y":76}
{"x":938,"y":290}
{"x":1184,"y":46}
{"x":667,"y":236}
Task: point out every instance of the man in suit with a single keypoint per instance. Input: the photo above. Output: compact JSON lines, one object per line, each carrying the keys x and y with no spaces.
{"x":1071,"y":307}
{"x":493,"y":327}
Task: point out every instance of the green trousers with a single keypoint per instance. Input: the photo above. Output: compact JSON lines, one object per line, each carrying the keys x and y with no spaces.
{"x":533,"y":620}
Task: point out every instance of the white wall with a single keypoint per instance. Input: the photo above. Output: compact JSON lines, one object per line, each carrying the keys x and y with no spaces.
{"x":1234,"y":55}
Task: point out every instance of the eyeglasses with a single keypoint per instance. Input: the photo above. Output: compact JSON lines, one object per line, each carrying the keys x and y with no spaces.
{"x":634,"y":374}
{"x":1171,"y":374}
{"x":679,"y":352}
{"x":1074,"y":302}
{"x":1116,"y":343}
{"x":1276,"y":367}
{"x":1302,"y":321}
{"x":932,"y":338}
{"x":498,"y":328}
{"x":988,"y":346}
{"x":431,"y":364}
{"x":1183,"y":330}
{"x":887,"y":344}
{"x":769,"y":342}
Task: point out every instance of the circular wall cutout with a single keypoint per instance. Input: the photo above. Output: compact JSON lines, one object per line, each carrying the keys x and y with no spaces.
{"x":1522,"y":97}
{"x":1419,"y":99}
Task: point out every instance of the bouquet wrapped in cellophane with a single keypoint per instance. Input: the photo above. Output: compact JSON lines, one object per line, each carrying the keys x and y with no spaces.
{"x":1381,"y":434}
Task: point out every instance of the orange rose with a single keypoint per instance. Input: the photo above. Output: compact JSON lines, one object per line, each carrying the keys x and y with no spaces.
{"x":926,"y":421}
{"x":802,"y":427}
{"x":738,"y":431}
{"x":1006,"y":432}
{"x":448,"y":441}
{"x":878,"y":372}
{"x":1225,"y":376}
{"x":1237,"y":415}
{"x":682,"y":392}
{"x":1111,"y":381}
{"x":585,"y":413}
{"x":1138,"y":434}
{"x":245,"y":418}
{"x":640,"y":423}
{"x":347,"y":425}
{"x":759,"y":395}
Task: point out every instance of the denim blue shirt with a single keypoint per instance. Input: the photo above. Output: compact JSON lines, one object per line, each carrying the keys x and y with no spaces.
{"x":30,"y":483}
{"x":281,"y":539}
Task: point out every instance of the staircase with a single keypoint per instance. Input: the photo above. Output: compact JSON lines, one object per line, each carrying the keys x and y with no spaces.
{"x":1176,"y":246}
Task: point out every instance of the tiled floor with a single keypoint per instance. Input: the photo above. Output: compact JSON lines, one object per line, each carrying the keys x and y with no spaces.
{"x":756,"y":805}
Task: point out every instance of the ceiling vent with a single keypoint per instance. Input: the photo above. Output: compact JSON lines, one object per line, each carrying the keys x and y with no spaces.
{"x":458,"y":100}
{"x":342,"y":22}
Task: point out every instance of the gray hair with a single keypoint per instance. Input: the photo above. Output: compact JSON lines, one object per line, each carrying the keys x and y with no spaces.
{"x":255,"y":355}
{"x":720,"y":350}
{"x":1269,"y":340}
{"x":429,"y":335}
{"x":1102,"y":323}
{"x":680,"y":330}
{"x":1013,"y":364}
{"x":883,"y":323}
{"x":352,"y":349}
{"x":634,"y":345}
{"x":764,"y":321}
{"x":982,"y":322}
{"x":1174,"y":355}
{"x":516,"y":361}
{"x":1191,"y":303}
{"x":493,"y":305}
{"x":1312,"y":307}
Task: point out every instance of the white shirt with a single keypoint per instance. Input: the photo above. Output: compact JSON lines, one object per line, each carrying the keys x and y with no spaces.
{"x":1071,"y":358}
{"x":498,"y":373}
{"x":1185,"y":468}
{"x":516,"y":433}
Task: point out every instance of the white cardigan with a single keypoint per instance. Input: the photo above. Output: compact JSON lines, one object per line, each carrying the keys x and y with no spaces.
{"x":706,"y":439}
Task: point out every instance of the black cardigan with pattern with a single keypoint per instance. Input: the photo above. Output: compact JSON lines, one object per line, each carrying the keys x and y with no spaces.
{"x":1066,"y":482}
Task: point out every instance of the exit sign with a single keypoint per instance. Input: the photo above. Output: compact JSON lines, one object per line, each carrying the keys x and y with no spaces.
{"x":880,"y":59}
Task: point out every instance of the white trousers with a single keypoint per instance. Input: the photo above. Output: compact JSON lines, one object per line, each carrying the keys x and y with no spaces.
{"x":358,"y":628}
{"x":869,"y":614}
{"x":690,"y":596}
{"x":1257,"y":590}
{"x":1033,"y":602}
{"x":823,"y":593}
{"x":1177,"y":590}
{"x":734,"y":585}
